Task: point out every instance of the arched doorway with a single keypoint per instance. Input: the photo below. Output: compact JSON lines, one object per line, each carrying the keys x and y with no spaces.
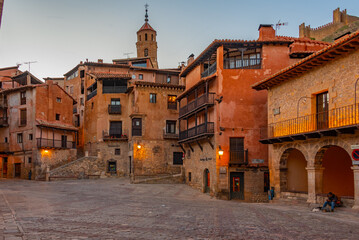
{"x":338,"y":177}
{"x":293,"y":173}
{"x":207,"y":180}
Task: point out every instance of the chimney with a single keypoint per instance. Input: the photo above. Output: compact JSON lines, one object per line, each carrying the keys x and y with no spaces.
{"x":28,"y":79}
{"x":266,"y":32}
{"x":190,"y":59}
{"x":100,"y":60}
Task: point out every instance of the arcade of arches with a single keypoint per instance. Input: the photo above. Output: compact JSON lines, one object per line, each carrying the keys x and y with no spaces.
{"x":315,"y":168}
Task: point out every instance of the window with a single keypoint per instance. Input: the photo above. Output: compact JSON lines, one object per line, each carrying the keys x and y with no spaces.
{"x":29,"y":159}
{"x":22,"y":98}
{"x":22,"y":117}
{"x":92,"y":105}
{"x":140,"y":76}
{"x":139,"y":37}
{"x":73,"y":75}
{"x":57,"y":117}
{"x":82,"y":112}
{"x":115,"y":129}
{"x":82,"y":73}
{"x":58,"y":100}
{"x":170,"y":127}
{"x":188,"y":153}
{"x":30,"y":136}
{"x":168,"y":79}
{"x":153,"y":97}
{"x":236,"y":149}
{"x":189,"y":176}
{"x":145,"y":36}
{"x":64,"y":141}
{"x":71,"y":90}
{"x":19,"y":138}
{"x":146,"y":52}
{"x":5,"y":139}
{"x":178,"y":158}
{"x":172,"y":102}
{"x":117,"y":151}
{"x":152,"y":37}
{"x":322,"y":110}
{"x":115,"y":102}
{"x":81,"y":101}
{"x":137,"y":127}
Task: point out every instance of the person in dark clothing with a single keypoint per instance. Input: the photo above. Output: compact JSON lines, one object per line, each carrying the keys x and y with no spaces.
{"x":331,"y":200}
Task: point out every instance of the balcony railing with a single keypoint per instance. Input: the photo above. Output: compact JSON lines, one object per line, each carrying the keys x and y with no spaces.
{"x":114,"y":89}
{"x":4,"y":147}
{"x":194,"y":132}
{"x":334,"y":118}
{"x":167,"y":135}
{"x":209,"y":71}
{"x":238,"y":157}
{"x":205,"y":99}
{"x":114,"y":135}
{"x":114,"y":109}
{"x":251,"y":63}
{"x":92,"y":94}
{"x":53,"y":143}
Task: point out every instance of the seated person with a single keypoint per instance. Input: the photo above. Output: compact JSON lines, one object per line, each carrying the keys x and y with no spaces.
{"x":332,"y":199}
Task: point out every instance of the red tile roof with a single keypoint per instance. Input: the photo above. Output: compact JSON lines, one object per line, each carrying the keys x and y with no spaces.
{"x":348,"y":43}
{"x":146,"y":26}
{"x":44,"y":123}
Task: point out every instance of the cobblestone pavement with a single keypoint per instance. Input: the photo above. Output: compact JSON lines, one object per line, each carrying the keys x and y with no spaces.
{"x":115,"y":209}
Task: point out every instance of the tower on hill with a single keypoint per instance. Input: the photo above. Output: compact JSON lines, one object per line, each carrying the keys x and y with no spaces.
{"x":146,"y":41}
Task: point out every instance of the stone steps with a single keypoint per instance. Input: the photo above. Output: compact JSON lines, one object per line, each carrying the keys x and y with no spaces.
{"x":164,"y":179}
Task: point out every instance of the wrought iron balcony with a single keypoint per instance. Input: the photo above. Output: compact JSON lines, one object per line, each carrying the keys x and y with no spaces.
{"x":114,"y":134}
{"x":209,"y":71}
{"x":204,"y":129}
{"x":238,"y":157}
{"x":114,"y":109}
{"x":53,"y":143}
{"x":330,"y":123}
{"x":201,"y":101}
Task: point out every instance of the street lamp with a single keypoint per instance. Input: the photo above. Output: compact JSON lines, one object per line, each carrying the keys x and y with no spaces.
{"x":304,"y":97}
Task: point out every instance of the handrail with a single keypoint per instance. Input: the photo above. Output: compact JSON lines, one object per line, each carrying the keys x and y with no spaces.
{"x":204,"y":128}
{"x":207,"y":98}
{"x":334,"y":118}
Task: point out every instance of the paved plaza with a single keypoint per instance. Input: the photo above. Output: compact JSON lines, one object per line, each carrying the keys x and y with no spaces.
{"x":116,"y":209}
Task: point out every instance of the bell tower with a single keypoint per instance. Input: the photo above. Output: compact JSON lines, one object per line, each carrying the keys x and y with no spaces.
{"x":146,"y":41}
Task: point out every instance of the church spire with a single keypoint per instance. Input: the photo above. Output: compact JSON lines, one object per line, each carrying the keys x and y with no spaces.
{"x":146,"y":16}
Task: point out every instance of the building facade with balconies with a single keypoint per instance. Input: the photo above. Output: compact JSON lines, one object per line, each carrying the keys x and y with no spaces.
{"x":313,"y":118}
{"x":36,"y":130}
{"x":220,"y":116}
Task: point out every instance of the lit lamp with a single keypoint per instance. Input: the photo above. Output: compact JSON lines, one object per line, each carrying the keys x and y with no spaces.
{"x":46,"y":151}
{"x":139,"y":146}
{"x":220,"y":152}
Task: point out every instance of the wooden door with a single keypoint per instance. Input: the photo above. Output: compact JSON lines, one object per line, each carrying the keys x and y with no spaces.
{"x":237,"y":185}
{"x":17,"y":170}
{"x":322,"y":110}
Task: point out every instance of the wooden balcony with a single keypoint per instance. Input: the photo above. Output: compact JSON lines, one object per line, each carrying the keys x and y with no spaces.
{"x":197,"y":104}
{"x":114,"y":109}
{"x":4,"y":147}
{"x":331,"y":123}
{"x":55,"y":144}
{"x":91,"y":95}
{"x":251,"y":63}
{"x":202,"y":130}
{"x":209,"y":71}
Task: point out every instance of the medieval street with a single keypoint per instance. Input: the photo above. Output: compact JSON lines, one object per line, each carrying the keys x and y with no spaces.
{"x":115,"y":209}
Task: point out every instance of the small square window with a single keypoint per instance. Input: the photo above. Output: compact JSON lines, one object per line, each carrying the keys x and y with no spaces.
{"x":140,"y":76}
{"x":58,"y":100}
{"x":117,"y":151}
{"x":29,"y":159}
{"x":5,"y":139}
{"x":30,"y":136}
{"x":57,"y":117}
{"x":19,"y":138}
{"x":153,"y":97}
{"x":168,"y":79}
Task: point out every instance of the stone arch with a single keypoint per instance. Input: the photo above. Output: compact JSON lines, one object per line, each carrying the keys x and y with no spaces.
{"x":322,"y":147}
{"x":292,"y":171}
{"x":335,"y":162}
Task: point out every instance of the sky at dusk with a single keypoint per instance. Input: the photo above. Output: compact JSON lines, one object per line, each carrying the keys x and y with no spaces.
{"x":58,"y":34}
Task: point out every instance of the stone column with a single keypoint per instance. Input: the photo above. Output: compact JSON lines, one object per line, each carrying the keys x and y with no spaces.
{"x":315,"y":183}
{"x":47,"y":175}
{"x":356,"y":187}
{"x":275,"y":181}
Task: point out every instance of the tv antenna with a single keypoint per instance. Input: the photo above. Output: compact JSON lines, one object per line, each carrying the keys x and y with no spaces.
{"x":29,"y":63}
{"x":128,"y":54}
{"x":279,"y":24}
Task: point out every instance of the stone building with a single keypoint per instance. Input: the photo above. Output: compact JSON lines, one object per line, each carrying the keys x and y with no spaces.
{"x":36,"y":128}
{"x":312,"y":124}
{"x":127,"y":111}
{"x":220,"y":116}
{"x":342,"y":24}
